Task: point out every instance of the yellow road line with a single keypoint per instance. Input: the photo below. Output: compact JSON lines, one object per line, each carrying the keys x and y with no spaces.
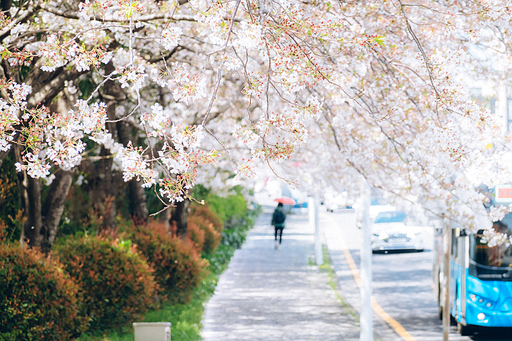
{"x":391,"y":321}
{"x":376,"y":307}
{"x":352,"y":265}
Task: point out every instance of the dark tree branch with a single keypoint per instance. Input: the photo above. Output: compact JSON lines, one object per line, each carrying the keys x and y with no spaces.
{"x":45,"y":91}
{"x":4,"y":32}
{"x":149,"y":17}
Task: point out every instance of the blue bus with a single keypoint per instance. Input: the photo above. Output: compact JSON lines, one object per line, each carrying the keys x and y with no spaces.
{"x":480,"y":276}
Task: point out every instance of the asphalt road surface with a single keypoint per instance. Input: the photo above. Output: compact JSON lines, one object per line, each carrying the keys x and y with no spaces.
{"x":401,"y":284}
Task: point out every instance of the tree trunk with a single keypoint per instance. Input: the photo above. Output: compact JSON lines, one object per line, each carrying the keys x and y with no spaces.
{"x":42,"y":219}
{"x":53,"y":208}
{"x":179,"y":215}
{"x":166,"y":217}
{"x":41,"y":222}
{"x":137,"y":197}
{"x":30,"y":197}
{"x":136,"y":194}
{"x":103,"y":192}
{"x":3,"y":155}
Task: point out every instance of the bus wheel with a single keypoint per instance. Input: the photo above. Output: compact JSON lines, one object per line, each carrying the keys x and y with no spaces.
{"x":465,"y":330}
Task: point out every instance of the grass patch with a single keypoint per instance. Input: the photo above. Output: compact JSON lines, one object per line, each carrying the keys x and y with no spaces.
{"x":333,"y":282}
{"x":185,"y":318}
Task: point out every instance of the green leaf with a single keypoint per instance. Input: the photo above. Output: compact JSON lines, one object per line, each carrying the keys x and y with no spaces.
{"x":379,"y":40}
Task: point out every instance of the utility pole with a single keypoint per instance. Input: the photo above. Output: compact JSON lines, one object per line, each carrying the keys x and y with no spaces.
{"x":446,"y":279}
{"x":366,"y":268}
{"x":314,"y":222}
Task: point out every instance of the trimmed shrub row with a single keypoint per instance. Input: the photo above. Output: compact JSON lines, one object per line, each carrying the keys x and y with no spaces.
{"x":39,"y":301}
{"x":178,"y":266}
{"x":93,"y":283}
{"x":117,"y":284}
{"x":98,"y":283}
{"x":204,"y":228}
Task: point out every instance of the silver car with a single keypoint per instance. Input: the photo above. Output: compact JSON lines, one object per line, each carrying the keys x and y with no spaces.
{"x":392,"y":230}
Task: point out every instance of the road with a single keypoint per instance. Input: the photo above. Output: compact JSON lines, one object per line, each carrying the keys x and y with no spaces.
{"x":401,"y":284}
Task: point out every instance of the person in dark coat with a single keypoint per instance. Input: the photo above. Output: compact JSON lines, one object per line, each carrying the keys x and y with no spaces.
{"x":278,"y":219}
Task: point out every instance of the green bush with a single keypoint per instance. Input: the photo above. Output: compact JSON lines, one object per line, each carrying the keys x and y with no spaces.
{"x":233,"y":206}
{"x":195,"y":235}
{"x":220,"y":259}
{"x":208,"y":222}
{"x":178,"y":266}
{"x":186,"y":317}
{"x":38,"y":301}
{"x":234,"y":237}
{"x":211,"y":237}
{"x":117,"y":283}
{"x":206,"y":215}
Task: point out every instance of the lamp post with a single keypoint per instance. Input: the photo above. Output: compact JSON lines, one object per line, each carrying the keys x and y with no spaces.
{"x":314,"y":222}
{"x":366,"y":268}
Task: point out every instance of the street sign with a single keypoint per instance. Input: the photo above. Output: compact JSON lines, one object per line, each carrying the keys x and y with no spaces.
{"x":503,"y":194}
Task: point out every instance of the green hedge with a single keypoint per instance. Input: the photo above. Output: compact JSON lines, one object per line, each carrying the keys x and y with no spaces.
{"x":38,"y":301}
{"x":178,"y":266}
{"x":232,"y":206}
{"x":186,"y":317}
{"x":118,"y":285}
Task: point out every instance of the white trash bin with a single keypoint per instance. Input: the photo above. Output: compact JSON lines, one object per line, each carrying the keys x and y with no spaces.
{"x":152,"y":331}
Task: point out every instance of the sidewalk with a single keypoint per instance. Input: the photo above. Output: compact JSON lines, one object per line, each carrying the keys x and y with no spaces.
{"x":268,"y":294}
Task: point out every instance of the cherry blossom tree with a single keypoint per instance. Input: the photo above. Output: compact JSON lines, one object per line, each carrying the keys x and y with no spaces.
{"x":327,"y":92}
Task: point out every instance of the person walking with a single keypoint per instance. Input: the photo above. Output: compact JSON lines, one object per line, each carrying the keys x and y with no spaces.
{"x":278,"y":219}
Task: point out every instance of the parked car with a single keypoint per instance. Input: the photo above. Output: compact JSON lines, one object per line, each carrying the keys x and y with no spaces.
{"x":377,"y":207}
{"x":393,"y":230}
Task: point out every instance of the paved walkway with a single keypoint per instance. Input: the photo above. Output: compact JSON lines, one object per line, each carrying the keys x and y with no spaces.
{"x":268,"y":294}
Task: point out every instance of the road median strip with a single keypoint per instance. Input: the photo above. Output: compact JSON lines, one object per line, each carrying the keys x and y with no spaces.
{"x":375,"y":305}
{"x":397,"y":327}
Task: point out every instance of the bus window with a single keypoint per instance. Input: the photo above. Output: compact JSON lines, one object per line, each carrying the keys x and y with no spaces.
{"x":491,"y":262}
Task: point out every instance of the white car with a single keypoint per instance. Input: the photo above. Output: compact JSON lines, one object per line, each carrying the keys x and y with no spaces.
{"x":393,"y":230}
{"x":376,"y":208}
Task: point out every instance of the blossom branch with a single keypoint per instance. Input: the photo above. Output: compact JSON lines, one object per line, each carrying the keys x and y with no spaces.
{"x":420,"y":48}
{"x":31,"y":10}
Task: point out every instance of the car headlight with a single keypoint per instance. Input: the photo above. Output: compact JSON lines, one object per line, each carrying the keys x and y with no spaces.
{"x":384,"y":236}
